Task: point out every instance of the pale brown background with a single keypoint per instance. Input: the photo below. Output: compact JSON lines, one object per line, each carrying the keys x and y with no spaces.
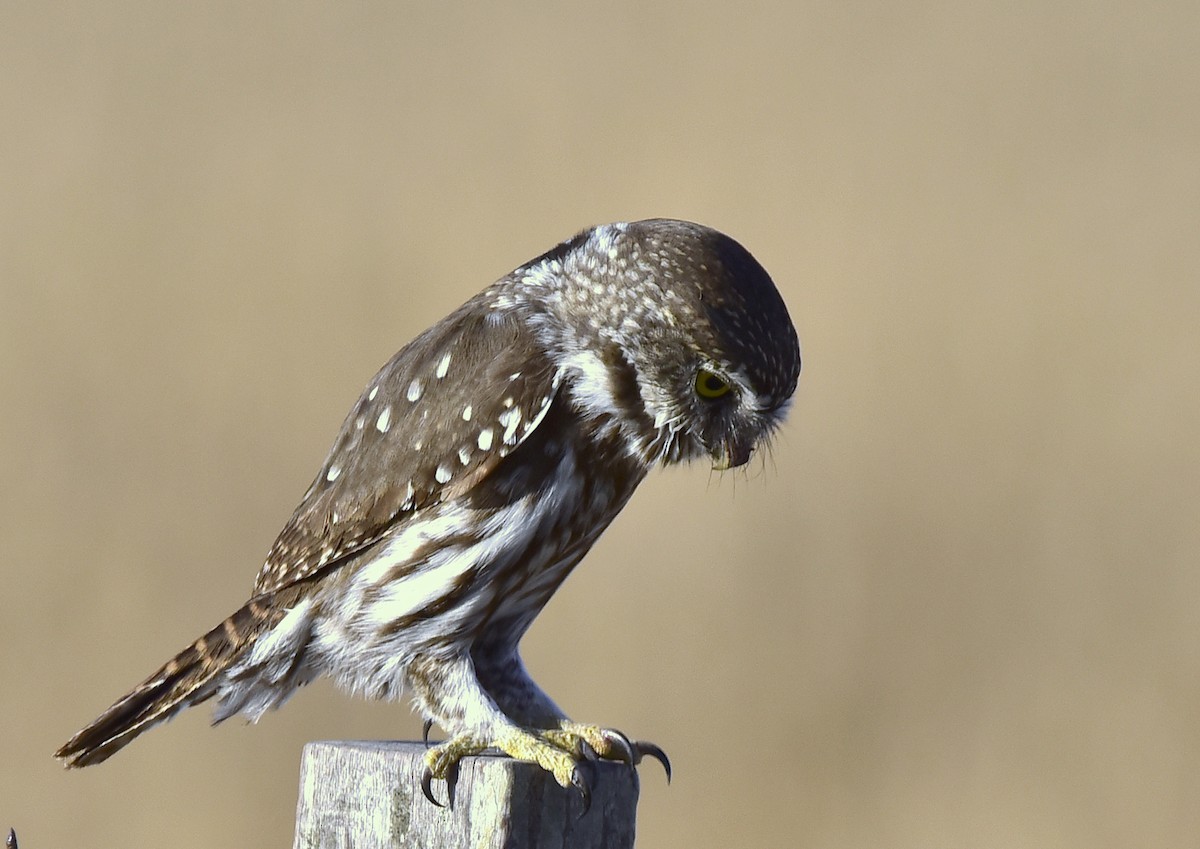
{"x":957,"y":608}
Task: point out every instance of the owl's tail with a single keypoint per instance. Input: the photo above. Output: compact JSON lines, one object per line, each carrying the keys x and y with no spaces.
{"x":191,"y":677}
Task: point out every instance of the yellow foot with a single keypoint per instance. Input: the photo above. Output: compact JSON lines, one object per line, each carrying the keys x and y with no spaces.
{"x":565,"y":752}
{"x":606,"y":743}
{"x":568,"y":768}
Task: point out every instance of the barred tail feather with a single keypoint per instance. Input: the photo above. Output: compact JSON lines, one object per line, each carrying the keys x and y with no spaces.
{"x":191,"y":677}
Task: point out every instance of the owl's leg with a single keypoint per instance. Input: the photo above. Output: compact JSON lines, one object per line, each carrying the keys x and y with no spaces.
{"x":503,"y":675}
{"x":449,"y":691}
{"x":505,"y":678}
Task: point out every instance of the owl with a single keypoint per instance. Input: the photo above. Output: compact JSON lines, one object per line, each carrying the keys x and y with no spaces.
{"x":475,"y":471}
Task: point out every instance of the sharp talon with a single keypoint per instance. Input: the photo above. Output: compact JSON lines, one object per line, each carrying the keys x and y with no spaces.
{"x":452,"y":782}
{"x":643,"y":748}
{"x":583,"y":783}
{"x":624,"y":744}
{"x":425,"y":731}
{"x":586,"y":750}
{"x":427,"y":787}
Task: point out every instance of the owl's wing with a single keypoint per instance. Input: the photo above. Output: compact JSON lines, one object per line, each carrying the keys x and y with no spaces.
{"x":431,"y":424}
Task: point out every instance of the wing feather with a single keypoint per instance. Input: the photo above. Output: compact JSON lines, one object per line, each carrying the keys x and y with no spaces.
{"x":435,"y":420}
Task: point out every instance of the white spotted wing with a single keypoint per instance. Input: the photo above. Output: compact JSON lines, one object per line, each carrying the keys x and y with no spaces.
{"x":434,"y":421}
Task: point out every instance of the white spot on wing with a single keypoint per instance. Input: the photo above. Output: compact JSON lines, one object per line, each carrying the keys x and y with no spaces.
{"x":374,"y":392}
{"x":510,"y":418}
{"x":414,"y":390}
{"x":443,"y":365}
{"x":464,"y":455}
{"x":333,"y":473}
{"x":485,"y":439}
{"x":384,"y":421}
{"x":442,"y":474}
{"x":467,"y":413}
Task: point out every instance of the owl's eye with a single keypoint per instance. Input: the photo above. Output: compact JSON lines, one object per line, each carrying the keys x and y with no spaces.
{"x":710,"y":385}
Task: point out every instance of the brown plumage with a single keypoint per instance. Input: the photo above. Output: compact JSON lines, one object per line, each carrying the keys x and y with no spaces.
{"x":185,"y":680}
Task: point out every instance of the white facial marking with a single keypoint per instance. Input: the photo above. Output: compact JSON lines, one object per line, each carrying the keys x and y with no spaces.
{"x":485,"y":439}
{"x":443,"y":365}
{"x":384,"y":421}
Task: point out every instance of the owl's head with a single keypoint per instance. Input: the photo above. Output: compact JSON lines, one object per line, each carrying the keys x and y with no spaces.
{"x":675,"y":331}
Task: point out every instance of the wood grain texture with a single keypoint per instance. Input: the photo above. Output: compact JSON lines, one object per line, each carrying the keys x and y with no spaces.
{"x":367,"y":795}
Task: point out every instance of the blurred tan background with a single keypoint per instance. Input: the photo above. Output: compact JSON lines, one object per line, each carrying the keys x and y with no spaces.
{"x":957,"y":608}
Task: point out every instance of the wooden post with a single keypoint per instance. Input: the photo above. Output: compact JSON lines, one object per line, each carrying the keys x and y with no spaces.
{"x":367,"y":795}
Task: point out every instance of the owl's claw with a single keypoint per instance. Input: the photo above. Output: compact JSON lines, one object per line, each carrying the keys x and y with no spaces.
{"x":442,"y":762}
{"x":427,"y":786}
{"x":587,"y":752}
{"x":425,"y":732}
{"x":622,"y":748}
{"x":644,"y":748}
{"x":608,"y":744}
{"x":581,"y":780}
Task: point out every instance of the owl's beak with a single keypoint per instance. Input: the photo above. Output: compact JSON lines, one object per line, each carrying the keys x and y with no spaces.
{"x":732,"y":454}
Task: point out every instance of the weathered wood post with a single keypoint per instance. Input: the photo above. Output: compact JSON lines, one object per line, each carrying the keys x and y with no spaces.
{"x":367,"y":795}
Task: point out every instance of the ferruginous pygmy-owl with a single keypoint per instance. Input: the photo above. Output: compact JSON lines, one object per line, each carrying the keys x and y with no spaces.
{"x":477,"y":468}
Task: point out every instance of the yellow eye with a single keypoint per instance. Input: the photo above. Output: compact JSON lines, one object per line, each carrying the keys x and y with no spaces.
{"x":710,"y":385}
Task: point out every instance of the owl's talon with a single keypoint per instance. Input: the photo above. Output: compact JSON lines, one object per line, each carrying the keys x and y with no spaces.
{"x":644,"y":748}
{"x":425,"y":731}
{"x":451,"y":780}
{"x":581,"y":780}
{"x":587,"y":752}
{"x":442,"y":762}
{"x":427,"y":786}
{"x":625,"y":747}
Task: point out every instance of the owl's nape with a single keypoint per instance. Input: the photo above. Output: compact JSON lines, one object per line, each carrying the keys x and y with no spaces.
{"x":474,"y":473}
